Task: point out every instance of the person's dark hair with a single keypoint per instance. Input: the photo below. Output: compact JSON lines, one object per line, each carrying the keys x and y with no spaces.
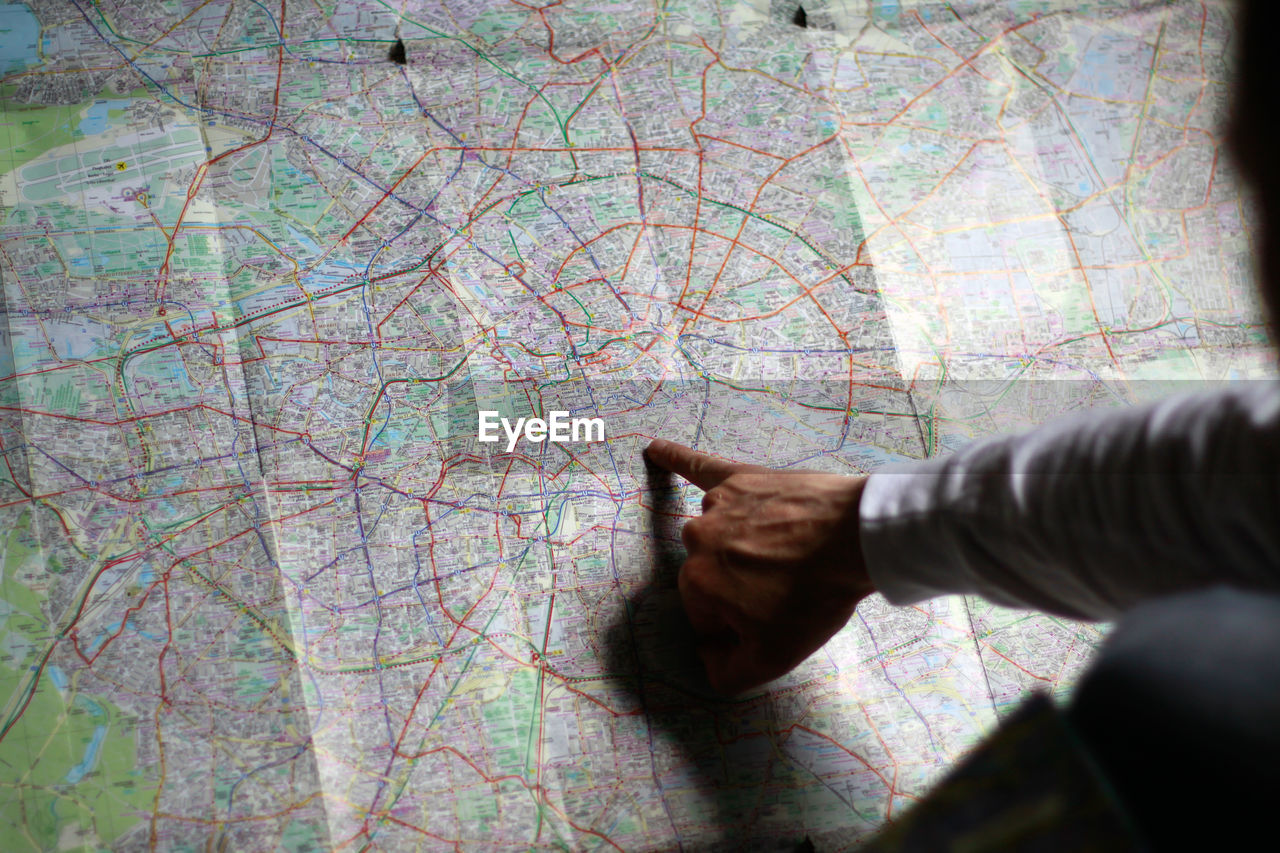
{"x":1252,"y":136}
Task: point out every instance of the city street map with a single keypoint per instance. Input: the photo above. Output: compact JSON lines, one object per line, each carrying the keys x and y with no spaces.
{"x":265,"y":262}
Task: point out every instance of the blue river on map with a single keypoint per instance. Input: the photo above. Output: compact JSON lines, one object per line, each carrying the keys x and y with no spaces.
{"x":304,"y":241}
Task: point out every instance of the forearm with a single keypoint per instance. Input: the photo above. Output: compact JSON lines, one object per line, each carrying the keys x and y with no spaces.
{"x":1090,"y":514}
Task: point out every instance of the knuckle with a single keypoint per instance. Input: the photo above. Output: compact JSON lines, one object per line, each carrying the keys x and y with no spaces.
{"x":692,"y":534}
{"x":692,"y":580}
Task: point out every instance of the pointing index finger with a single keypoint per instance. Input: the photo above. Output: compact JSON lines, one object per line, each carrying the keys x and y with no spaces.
{"x":698,"y":468}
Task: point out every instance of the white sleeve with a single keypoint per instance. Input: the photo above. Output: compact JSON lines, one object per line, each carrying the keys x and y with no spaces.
{"x":1087,"y":515}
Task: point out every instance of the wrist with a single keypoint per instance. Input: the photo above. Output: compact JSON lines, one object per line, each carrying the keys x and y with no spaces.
{"x":847,"y":566}
{"x":856,"y":560}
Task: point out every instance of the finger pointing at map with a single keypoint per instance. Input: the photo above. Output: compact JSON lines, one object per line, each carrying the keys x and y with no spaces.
{"x":774,"y":567}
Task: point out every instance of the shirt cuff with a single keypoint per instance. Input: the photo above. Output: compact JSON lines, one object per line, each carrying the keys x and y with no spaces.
{"x":905,"y":552}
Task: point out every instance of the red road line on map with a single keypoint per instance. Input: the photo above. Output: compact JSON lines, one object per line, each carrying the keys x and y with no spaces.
{"x":1093,"y":306}
{"x":124,"y":623}
{"x":885,"y":746}
{"x":407,"y":297}
{"x":956,"y":53}
{"x":511,"y":777}
{"x":158,"y":495}
{"x":1016,"y":664}
{"x":385,"y":195}
{"x":457,"y":844}
{"x":737,"y":145}
{"x":551,"y":33}
{"x":742,"y":226}
{"x":802,"y":727}
{"x":681,"y":227}
{"x":697,"y":206}
{"x":137,"y":555}
{"x":148,"y":416}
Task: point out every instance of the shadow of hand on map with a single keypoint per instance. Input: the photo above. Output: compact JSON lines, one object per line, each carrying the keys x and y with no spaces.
{"x":700,"y":740}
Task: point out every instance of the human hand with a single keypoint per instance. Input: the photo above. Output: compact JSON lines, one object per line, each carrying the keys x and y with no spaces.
{"x":774,"y":565}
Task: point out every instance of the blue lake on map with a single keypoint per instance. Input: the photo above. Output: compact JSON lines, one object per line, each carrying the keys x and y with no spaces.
{"x":75,"y":774}
{"x":19,"y":31}
{"x":96,"y":119}
{"x":887,"y":8}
